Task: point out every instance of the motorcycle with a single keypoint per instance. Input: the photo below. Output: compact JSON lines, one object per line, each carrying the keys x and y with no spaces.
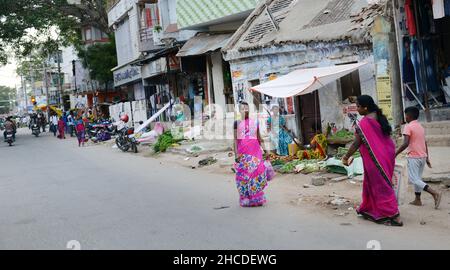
{"x":35,"y":130}
{"x":126,"y":140}
{"x":9,"y":138}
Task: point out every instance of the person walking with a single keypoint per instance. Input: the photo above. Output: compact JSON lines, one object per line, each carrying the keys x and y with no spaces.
{"x":417,"y":148}
{"x":54,"y":124}
{"x":80,"y":129}
{"x":71,"y":124}
{"x":251,"y":178}
{"x":61,"y":128}
{"x":372,"y":138}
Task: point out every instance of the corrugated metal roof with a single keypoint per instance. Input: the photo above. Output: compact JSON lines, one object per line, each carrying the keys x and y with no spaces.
{"x":305,"y":21}
{"x":203,"y":43}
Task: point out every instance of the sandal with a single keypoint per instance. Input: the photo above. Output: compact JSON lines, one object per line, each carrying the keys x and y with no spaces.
{"x":393,"y":222}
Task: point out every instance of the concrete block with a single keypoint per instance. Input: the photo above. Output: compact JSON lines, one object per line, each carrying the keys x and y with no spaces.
{"x":318,"y":180}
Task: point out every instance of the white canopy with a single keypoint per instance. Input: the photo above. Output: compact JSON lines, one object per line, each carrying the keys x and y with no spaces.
{"x":304,"y":81}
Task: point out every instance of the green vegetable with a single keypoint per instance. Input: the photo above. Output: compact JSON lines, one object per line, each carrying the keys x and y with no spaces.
{"x":342,"y":151}
{"x":164,"y":142}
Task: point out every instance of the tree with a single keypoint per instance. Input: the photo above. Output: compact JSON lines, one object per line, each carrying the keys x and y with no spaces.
{"x":7,"y":97}
{"x":99,"y":59}
{"x":23,"y":21}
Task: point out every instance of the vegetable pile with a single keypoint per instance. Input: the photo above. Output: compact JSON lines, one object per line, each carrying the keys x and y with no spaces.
{"x":164,"y":142}
{"x":343,"y":135}
{"x":304,"y":166}
{"x":342,"y":151}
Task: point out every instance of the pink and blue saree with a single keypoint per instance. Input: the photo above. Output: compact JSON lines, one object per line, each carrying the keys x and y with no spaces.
{"x":251,"y":176}
{"x":379,"y":202}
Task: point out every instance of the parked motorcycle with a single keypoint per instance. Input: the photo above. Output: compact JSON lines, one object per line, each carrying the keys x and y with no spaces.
{"x":9,"y":138}
{"x":126,"y":141}
{"x":35,"y":130}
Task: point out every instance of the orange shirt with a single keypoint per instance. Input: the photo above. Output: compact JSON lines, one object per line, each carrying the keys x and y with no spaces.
{"x":417,"y":147}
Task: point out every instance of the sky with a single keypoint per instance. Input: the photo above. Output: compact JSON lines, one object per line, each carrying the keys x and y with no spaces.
{"x":8,"y":76}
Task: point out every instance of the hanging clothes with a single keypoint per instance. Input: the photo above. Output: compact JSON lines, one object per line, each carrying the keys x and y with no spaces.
{"x":415,"y":59}
{"x":447,"y":7}
{"x":430,"y":65}
{"x":438,"y":9}
{"x":410,"y":19}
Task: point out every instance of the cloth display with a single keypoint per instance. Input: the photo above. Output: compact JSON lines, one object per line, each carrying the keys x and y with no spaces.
{"x":438,"y":9}
{"x":410,"y":19}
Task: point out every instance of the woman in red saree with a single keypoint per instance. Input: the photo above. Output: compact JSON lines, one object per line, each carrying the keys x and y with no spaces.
{"x":61,"y":128}
{"x":379,"y":203}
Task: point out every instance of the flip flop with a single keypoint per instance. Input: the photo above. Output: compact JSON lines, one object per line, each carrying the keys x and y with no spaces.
{"x":392,"y":222}
{"x":438,"y":201}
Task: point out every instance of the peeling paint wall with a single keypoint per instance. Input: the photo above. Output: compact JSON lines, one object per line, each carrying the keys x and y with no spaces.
{"x":261,"y":66}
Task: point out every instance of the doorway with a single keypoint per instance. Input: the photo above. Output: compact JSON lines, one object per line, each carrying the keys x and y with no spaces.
{"x":309,"y":119}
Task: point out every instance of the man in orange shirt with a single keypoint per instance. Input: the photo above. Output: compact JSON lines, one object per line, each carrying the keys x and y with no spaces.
{"x":414,"y":140}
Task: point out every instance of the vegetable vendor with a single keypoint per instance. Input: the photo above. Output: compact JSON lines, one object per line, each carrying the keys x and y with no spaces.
{"x":279,"y":133}
{"x":318,"y":145}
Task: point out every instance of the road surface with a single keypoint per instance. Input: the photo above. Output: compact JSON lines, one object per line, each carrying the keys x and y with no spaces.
{"x":52,"y":191}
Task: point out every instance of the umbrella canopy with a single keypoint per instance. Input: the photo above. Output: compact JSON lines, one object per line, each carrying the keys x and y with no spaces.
{"x":304,"y":81}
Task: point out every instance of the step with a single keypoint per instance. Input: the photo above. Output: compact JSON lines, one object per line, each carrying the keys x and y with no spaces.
{"x":437,"y":128}
{"x":438,"y":140}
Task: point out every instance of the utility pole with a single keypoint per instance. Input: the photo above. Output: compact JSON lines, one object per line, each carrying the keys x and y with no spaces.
{"x":46,"y":89}
{"x":24,"y":92}
{"x":61,"y":100}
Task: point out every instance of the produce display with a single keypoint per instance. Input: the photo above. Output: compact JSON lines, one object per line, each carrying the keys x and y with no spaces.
{"x":342,"y":151}
{"x":304,"y":166}
{"x":164,"y":142}
{"x":342,"y":135}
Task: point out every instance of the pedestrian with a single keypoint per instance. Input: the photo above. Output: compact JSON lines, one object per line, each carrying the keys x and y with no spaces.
{"x":251,"y":179}
{"x":54,"y":124}
{"x":417,"y":149}
{"x":61,"y":128}
{"x":71,"y":124}
{"x":66,"y":122}
{"x":372,"y":138}
{"x":279,"y":133}
{"x":80,"y":129}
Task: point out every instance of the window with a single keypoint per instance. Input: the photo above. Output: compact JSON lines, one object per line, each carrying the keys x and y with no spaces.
{"x":88,"y":34}
{"x":150,"y":16}
{"x":350,"y":85}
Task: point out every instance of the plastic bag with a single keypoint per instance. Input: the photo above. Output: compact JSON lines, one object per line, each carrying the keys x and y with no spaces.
{"x":270,"y":172}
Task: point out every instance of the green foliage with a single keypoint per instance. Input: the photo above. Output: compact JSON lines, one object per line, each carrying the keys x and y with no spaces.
{"x":7,"y":94}
{"x":164,"y":142}
{"x":44,"y":17}
{"x":99,"y":59}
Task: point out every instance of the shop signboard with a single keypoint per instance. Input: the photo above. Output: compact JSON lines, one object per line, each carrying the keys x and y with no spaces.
{"x":126,"y":74}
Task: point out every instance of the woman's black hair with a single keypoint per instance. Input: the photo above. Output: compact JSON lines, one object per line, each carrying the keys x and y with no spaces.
{"x":367,"y":101}
{"x":243,"y":103}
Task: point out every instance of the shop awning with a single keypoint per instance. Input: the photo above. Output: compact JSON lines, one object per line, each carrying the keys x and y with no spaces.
{"x":203,"y":43}
{"x":304,"y":81}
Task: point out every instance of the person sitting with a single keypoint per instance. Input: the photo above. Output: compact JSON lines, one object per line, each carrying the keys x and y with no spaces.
{"x":9,"y":127}
{"x":318,"y":145}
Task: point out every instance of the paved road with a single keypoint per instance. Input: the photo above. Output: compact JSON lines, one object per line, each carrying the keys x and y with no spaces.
{"x":51,"y":192}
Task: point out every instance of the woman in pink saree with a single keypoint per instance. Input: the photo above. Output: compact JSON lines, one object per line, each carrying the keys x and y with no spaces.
{"x":251,"y":178}
{"x":379,"y":203}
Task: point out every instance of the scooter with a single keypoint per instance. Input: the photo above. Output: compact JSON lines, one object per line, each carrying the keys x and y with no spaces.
{"x":35,"y":130}
{"x":9,"y":138}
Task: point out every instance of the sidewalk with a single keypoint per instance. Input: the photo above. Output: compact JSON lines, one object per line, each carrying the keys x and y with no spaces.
{"x":335,"y":199}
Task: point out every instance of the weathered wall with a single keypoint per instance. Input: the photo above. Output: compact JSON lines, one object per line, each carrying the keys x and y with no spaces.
{"x":217,"y":72}
{"x":317,"y":55}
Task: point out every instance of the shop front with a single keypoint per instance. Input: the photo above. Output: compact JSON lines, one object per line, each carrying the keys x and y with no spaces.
{"x":128,"y":79}
{"x":423,"y":37}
